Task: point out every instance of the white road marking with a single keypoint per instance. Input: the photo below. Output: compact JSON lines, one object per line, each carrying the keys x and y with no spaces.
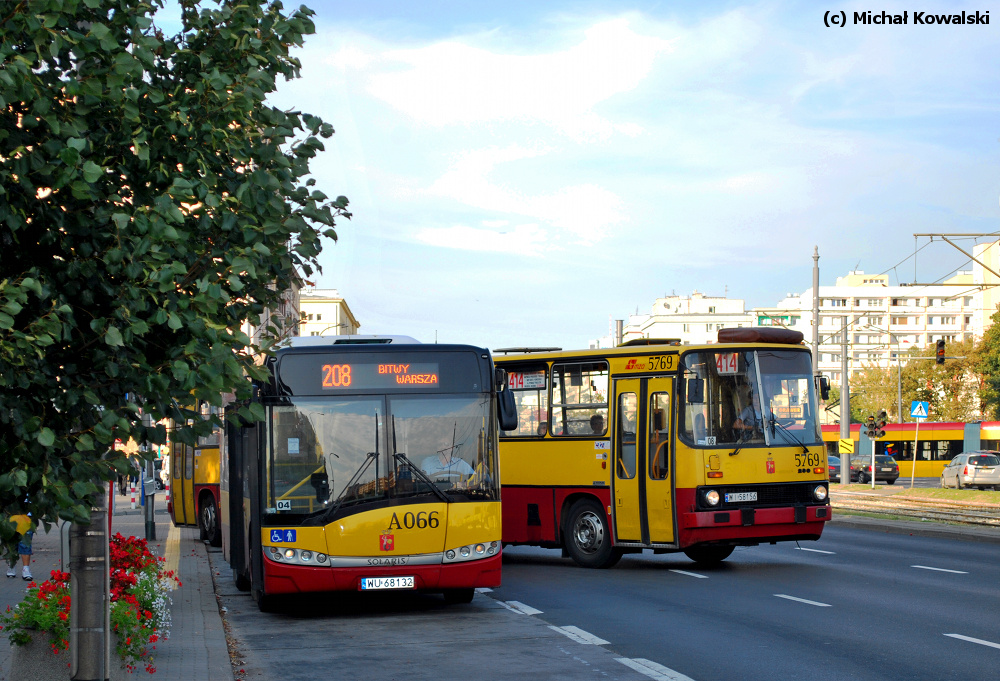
{"x":980,"y":641}
{"x":925,"y":567}
{"x":520,"y":608}
{"x":829,"y":553}
{"x":690,"y":574}
{"x":802,"y":600}
{"x":653,"y":670}
{"x":580,"y":636}
{"x":483,"y":590}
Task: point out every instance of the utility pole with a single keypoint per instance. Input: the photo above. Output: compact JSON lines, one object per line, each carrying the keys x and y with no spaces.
{"x":90,"y":591}
{"x":845,"y":402}
{"x":815,"y":329}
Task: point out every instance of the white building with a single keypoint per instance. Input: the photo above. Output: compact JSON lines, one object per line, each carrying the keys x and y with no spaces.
{"x":882,"y":320}
{"x":324,"y":312}
{"x":691,"y":320}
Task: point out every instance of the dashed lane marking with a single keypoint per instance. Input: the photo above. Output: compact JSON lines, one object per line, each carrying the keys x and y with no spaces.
{"x":803,"y":600}
{"x":580,"y":636}
{"x":690,"y":574}
{"x":520,"y":608}
{"x":653,"y":670}
{"x":980,"y":641}
{"x":927,"y":567}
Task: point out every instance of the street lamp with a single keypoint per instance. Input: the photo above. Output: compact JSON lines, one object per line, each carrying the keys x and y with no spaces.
{"x":899,"y":371}
{"x":334,"y":326}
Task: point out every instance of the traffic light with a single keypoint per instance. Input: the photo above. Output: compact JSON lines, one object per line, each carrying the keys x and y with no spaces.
{"x":870,"y":427}
{"x":939,"y":353}
{"x":880,"y":423}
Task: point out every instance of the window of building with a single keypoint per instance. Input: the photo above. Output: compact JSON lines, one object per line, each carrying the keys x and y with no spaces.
{"x":711,"y":310}
{"x":319,"y":316}
{"x":836,"y":302}
{"x":900,"y":321}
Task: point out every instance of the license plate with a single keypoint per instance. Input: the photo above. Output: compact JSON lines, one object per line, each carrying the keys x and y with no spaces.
{"x":371,"y":583}
{"x":887,"y":470}
{"x":733,"y":497}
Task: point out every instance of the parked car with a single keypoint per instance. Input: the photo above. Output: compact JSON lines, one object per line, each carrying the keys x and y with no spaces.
{"x":973,"y":469}
{"x":886,"y":469}
{"x":158,"y":473}
{"x":834,"y":463}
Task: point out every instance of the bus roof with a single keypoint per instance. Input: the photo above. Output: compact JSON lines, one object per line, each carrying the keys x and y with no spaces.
{"x":356,"y":339}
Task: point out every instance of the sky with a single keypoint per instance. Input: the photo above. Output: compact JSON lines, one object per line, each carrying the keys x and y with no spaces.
{"x":521,"y":173}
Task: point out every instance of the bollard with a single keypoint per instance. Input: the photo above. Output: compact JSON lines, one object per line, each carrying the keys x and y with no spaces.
{"x":132,"y":486}
{"x":166,"y":488}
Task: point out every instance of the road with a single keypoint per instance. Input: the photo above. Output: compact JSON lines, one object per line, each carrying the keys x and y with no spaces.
{"x":858,"y":604}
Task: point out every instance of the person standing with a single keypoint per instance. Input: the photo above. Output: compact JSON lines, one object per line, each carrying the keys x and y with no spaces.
{"x":25,"y":528}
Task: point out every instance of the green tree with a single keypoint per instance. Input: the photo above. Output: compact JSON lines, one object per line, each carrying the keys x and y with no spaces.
{"x":988,"y":367}
{"x":151,"y":201}
{"x":952,"y":389}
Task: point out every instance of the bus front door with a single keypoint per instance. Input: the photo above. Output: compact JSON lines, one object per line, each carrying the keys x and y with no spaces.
{"x":659,"y":472}
{"x":628,"y":456}
{"x":643,"y":461}
{"x":182,"y":484}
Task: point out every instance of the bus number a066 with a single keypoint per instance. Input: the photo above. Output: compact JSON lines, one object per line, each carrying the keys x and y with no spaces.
{"x":418,"y":520}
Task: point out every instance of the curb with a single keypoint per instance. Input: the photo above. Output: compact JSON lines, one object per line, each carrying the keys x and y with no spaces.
{"x":917,"y":528}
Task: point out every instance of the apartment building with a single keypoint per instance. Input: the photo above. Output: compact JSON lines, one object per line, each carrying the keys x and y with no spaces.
{"x":324,"y":312}
{"x":882,"y":321}
{"x":693,"y":320}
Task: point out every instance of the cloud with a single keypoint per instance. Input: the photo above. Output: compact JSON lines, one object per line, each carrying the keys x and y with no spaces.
{"x":522,"y":240}
{"x":458,"y":83}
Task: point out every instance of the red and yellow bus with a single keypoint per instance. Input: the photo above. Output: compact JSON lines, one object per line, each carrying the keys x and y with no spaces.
{"x":374,"y":468}
{"x":935,"y":443}
{"x":194,"y":480}
{"x":665,"y":447}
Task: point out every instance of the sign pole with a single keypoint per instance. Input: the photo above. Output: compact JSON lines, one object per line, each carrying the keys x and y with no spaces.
{"x":918,"y":411}
{"x":916,"y":438}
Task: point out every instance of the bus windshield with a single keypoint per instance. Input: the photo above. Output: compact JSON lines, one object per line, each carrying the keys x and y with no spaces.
{"x":749,"y":397}
{"x":333,"y":453}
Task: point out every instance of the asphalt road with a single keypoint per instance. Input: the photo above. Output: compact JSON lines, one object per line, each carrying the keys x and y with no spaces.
{"x":858,"y":604}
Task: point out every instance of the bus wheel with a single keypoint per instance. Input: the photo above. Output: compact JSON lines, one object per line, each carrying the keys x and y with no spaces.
{"x":265,"y":603}
{"x":588,"y":537}
{"x":708,"y":555}
{"x":455,"y":596}
{"x":242,"y":581}
{"x":208,"y":522}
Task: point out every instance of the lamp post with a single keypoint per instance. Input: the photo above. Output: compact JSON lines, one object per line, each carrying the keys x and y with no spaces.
{"x":899,"y":370}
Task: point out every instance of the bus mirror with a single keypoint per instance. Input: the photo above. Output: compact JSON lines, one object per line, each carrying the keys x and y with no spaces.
{"x":824,"y":387}
{"x":696,"y":391}
{"x":508,"y":410}
{"x":321,"y":484}
{"x":499,"y":378}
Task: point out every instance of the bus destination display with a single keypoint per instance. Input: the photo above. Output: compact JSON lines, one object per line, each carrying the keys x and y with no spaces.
{"x":364,"y":376}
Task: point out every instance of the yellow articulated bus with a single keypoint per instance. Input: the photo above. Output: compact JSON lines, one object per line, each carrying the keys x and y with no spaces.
{"x":194,"y":481}
{"x":665,"y":447}
{"x":375,"y":468}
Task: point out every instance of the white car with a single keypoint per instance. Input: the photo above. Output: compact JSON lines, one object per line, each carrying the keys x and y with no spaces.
{"x":973,"y":469}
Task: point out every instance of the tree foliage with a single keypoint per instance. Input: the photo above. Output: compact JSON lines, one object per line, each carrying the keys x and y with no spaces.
{"x":952,"y":389}
{"x":989,"y":369}
{"x":151,"y":201}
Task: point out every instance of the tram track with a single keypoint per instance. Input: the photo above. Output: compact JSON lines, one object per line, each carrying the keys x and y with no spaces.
{"x":965,"y":513}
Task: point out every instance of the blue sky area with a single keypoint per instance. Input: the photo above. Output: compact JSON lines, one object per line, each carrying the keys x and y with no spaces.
{"x":522,"y":172}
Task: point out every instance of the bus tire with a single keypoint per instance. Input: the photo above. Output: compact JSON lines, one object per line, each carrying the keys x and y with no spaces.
{"x":588,"y":536}
{"x":708,"y":555}
{"x":241,"y":580}
{"x":456,"y":596}
{"x":265,"y":603}
{"x":208,"y":522}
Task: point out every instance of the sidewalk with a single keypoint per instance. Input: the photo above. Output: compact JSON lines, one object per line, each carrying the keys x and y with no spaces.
{"x":197,"y":647}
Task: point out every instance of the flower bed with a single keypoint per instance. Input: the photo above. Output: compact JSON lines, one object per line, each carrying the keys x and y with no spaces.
{"x":140,"y":605}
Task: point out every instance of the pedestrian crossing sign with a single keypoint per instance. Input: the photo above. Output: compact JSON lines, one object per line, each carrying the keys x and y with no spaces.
{"x":919,"y":410}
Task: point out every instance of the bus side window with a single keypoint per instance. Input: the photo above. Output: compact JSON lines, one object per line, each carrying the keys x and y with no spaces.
{"x":659,"y":435}
{"x":625,"y":454}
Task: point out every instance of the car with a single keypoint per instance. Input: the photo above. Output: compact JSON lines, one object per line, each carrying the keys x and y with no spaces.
{"x":158,"y":479}
{"x":886,"y":469}
{"x":834,"y":464}
{"x":973,"y":469}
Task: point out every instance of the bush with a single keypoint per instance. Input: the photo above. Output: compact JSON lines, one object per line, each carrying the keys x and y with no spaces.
{"x":140,"y":604}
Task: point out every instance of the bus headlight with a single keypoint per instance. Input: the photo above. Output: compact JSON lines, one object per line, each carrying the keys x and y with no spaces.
{"x":295,"y":556}
{"x":820,"y":492}
{"x":471,"y":552}
{"x":712,"y":497}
